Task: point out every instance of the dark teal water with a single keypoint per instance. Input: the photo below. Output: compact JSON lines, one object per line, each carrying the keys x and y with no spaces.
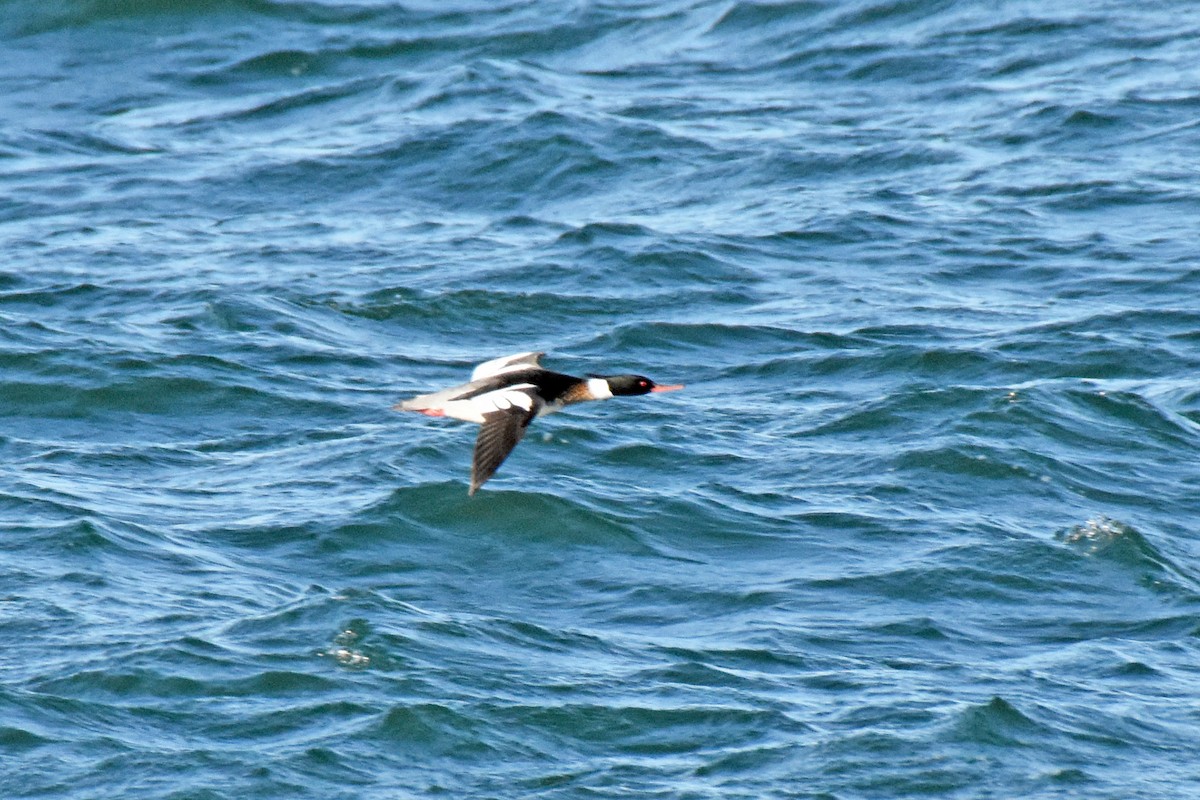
{"x":925,"y":522}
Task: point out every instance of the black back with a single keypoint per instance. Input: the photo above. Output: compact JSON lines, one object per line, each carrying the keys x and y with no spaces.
{"x":551,"y":385}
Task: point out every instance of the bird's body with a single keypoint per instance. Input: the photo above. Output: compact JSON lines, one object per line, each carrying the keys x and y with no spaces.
{"x":505,"y":394}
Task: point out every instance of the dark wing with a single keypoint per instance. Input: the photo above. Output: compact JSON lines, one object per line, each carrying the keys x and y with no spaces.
{"x":498,"y":435}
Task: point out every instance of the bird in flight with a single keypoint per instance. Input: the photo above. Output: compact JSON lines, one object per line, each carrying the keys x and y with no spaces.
{"x":505,"y":394}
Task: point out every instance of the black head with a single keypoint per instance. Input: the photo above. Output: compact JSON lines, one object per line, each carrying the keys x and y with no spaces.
{"x":635,"y":384}
{"x":629,"y":384}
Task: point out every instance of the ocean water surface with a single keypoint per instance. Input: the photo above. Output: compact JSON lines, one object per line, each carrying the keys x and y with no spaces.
{"x":924,"y":523}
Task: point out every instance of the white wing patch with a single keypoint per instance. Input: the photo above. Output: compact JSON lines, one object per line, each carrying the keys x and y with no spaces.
{"x":520,"y":396}
{"x":513,"y":396}
{"x":498,"y":366}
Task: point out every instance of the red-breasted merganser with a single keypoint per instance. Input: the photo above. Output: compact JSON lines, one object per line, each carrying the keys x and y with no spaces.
{"x":505,"y":394}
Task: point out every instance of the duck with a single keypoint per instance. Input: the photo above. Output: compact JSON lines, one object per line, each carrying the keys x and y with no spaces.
{"x":505,"y":394}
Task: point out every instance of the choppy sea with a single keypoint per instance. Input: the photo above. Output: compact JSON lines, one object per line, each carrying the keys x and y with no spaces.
{"x":925,"y":522}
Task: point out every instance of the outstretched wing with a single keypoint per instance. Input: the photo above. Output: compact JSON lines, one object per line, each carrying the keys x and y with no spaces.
{"x":500,"y":432}
{"x":505,"y":364}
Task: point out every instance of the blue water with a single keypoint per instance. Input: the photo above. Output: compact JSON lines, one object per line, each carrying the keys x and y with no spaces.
{"x":924,"y":523}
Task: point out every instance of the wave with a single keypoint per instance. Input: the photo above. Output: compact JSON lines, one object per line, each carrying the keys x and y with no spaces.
{"x":1121,"y":543}
{"x":998,"y":722}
